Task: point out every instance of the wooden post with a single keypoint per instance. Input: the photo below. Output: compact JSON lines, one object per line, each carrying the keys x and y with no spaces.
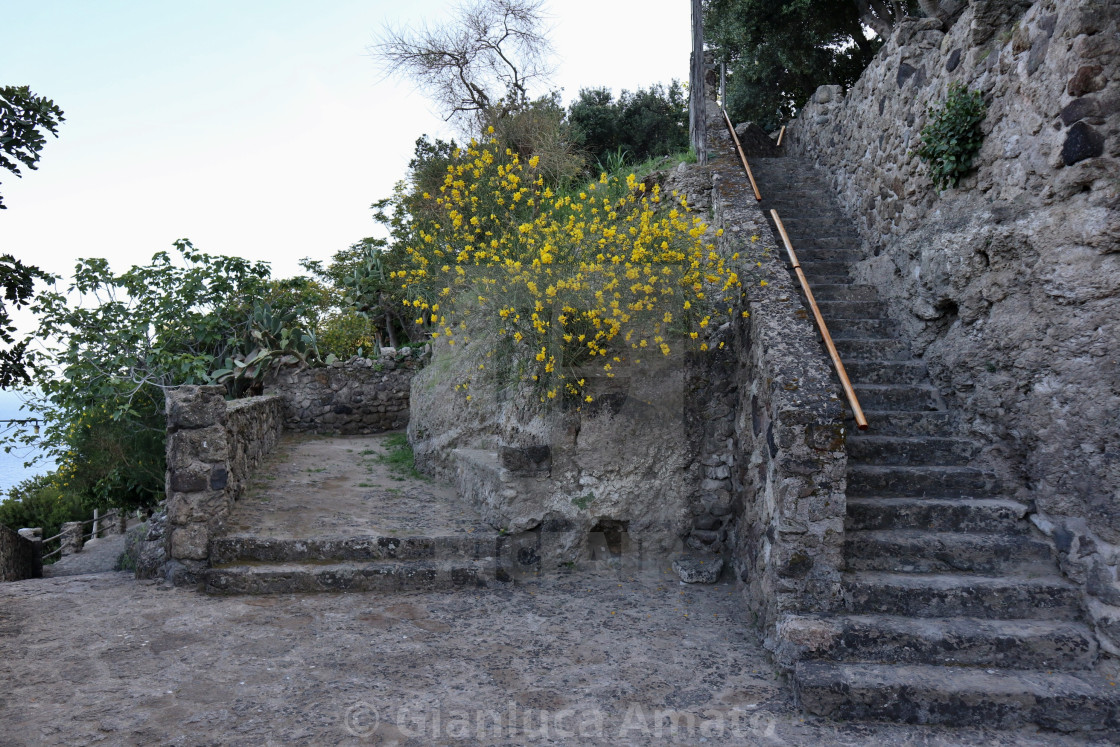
{"x":697,"y":124}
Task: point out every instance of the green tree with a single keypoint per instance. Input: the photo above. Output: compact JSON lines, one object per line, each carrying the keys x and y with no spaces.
{"x":778,"y":53}
{"x":119,"y":341}
{"x":18,"y":283}
{"x":640,"y":124}
{"x":24,"y":117}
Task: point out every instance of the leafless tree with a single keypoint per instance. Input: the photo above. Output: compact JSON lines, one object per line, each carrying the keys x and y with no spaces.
{"x":487,"y":55}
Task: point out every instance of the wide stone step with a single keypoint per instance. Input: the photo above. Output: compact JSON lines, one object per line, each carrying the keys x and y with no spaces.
{"x":920,"y":480}
{"x":816,"y":271}
{"x":875,"y":449}
{"x":986,"y":515}
{"x":922,"y":551}
{"x":838,"y":278}
{"x":889,"y":397}
{"x":818,"y":240}
{"x":956,"y":641}
{"x":849,"y":309}
{"x":884,"y":350}
{"x":861,"y":329}
{"x":916,"y":423}
{"x":958,"y":696}
{"x":887,"y":372}
{"x":844,"y":292}
{"x":954,"y":595}
{"x":376,"y":576}
{"x":251,"y":548}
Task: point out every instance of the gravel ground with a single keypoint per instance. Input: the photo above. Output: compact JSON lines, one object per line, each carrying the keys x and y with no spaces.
{"x":580,"y":658}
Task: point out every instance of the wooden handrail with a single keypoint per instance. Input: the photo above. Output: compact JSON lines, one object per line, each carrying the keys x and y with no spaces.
{"x":781,"y":135}
{"x":742,"y":156}
{"x":861,"y":421}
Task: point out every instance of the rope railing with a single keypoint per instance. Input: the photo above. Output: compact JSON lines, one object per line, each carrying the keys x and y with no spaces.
{"x":71,"y":540}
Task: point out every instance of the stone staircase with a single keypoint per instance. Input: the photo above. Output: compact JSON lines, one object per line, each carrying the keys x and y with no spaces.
{"x":330,"y":514}
{"x":953,"y":608}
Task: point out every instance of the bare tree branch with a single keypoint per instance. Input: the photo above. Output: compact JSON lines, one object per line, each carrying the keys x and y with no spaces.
{"x":490,"y":53}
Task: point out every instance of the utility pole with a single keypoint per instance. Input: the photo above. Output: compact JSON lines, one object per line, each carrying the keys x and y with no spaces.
{"x":697,"y":120}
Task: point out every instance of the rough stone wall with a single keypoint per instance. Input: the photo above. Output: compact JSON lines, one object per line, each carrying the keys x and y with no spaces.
{"x":212,"y":446}
{"x":788,"y":484}
{"x":353,"y":397}
{"x":19,"y":557}
{"x":1009,"y":284}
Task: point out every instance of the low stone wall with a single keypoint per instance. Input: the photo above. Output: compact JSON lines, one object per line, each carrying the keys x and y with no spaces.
{"x":212,"y":447}
{"x":19,"y":557}
{"x":352,"y":397}
{"x":788,"y":475}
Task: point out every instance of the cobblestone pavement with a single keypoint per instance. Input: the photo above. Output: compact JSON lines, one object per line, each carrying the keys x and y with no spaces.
{"x":579,"y":658}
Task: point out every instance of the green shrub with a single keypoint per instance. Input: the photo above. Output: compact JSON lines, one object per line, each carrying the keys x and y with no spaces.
{"x":640,"y":124}
{"x":952,"y":136}
{"x":43,"y":502}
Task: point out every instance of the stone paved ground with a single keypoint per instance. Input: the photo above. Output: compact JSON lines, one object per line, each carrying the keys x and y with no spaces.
{"x":96,"y":556}
{"x":337,"y":486}
{"x":104,"y":659}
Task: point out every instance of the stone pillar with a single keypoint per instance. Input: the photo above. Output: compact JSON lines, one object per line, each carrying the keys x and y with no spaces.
{"x":35,"y":537}
{"x":197,"y":474}
{"x":71,"y":538}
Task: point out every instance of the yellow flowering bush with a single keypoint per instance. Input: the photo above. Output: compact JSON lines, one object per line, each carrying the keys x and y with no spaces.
{"x":564,"y":285}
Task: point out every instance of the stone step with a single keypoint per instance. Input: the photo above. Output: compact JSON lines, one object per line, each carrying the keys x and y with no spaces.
{"x":841,"y":278}
{"x":902,"y":481}
{"x":377,"y":576}
{"x":251,"y":548}
{"x":958,"y":696}
{"x":891,"y":397}
{"x":814,"y":271}
{"x":808,"y":240}
{"x":844,"y":292}
{"x":884,"y":350}
{"x":983,"y":515}
{"x":887,"y":372}
{"x":922,"y":551}
{"x":842,"y":329}
{"x":1009,"y":597}
{"x":900,"y":423}
{"x":829,"y":253}
{"x":850,"y":309}
{"x":869,"y":448}
{"x":956,"y":641}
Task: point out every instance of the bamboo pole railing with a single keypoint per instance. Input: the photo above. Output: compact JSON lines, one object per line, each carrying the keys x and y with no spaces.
{"x":781,"y":135}
{"x":846,"y":383}
{"x":742,"y":155}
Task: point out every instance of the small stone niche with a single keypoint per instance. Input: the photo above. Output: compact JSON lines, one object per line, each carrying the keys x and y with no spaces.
{"x":609,"y":539}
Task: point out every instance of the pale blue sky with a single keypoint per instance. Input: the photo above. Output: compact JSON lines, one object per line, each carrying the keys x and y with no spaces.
{"x":259,"y":128}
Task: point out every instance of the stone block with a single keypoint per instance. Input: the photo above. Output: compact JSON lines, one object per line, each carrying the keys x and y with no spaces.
{"x":190,"y":542}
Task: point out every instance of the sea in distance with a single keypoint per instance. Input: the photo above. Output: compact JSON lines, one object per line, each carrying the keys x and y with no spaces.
{"x":12,"y":471}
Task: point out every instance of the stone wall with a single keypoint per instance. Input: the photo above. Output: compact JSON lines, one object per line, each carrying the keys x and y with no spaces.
{"x":353,"y":397}
{"x":19,"y":557}
{"x":787,"y":479}
{"x":212,"y":447}
{"x":1009,"y":284}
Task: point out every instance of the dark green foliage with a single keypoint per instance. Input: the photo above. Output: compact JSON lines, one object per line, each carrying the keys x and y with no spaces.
{"x":779,"y":51}
{"x":24,"y":117}
{"x":42,"y":502}
{"x":18,"y":283}
{"x":640,"y":124}
{"x":952,"y":136}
